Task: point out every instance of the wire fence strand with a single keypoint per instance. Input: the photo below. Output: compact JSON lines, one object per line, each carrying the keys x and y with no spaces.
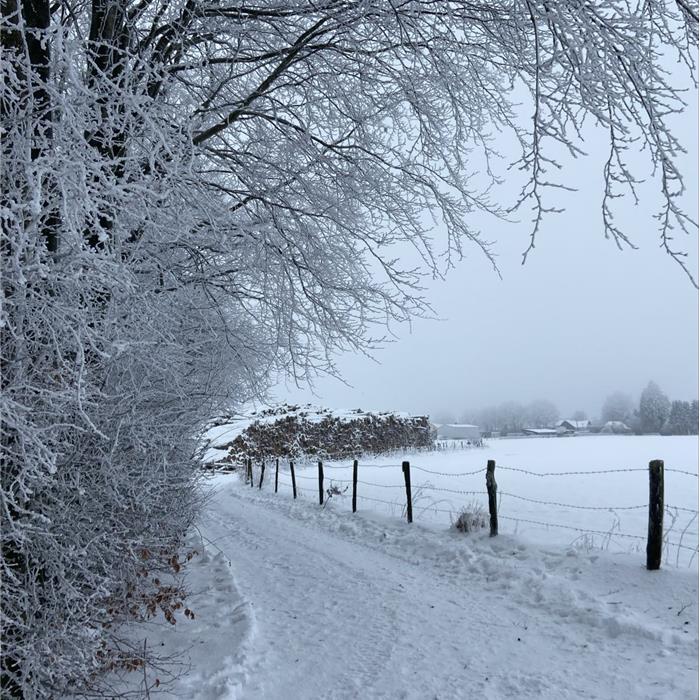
{"x":594,"y":472}
{"x":460,"y":474}
{"x":571,"y":505}
{"x":572,"y":527}
{"x":681,"y":471}
{"x":685,"y":510}
{"x":418,"y":489}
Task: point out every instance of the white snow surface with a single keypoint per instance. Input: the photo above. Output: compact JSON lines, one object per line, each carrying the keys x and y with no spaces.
{"x":295,"y":601}
{"x":605,"y":509}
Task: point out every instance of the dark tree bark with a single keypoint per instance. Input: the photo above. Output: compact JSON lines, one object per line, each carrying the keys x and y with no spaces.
{"x":107,"y":61}
{"x":26,"y":107}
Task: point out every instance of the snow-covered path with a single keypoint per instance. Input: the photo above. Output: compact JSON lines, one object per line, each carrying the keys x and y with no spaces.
{"x":360,"y":607}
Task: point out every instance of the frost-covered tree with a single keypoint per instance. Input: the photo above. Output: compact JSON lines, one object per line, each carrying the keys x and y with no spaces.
{"x":198,"y":194}
{"x":693,"y":417}
{"x":654,"y":408}
{"x":541,"y":414}
{"x":681,"y":420}
{"x":506,"y":417}
{"x":617,"y":407}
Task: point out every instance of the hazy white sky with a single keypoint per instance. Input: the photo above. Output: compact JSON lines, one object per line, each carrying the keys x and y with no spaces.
{"x":581,"y":319}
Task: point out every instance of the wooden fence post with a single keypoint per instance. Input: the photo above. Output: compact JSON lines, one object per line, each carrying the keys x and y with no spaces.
{"x":294,"y":480}
{"x":262,"y":474}
{"x":656,"y":514}
{"x":406,"y":467}
{"x":277,"y":473}
{"x":492,"y":488}
{"x":354,"y":486}
{"x":320,"y":482}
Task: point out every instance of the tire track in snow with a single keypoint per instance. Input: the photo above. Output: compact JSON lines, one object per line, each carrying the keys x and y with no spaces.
{"x":291,"y":580}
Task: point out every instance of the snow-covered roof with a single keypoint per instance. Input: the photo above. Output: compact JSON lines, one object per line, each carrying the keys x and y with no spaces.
{"x":461,"y":425}
{"x":540,"y":431}
{"x":575,"y":423}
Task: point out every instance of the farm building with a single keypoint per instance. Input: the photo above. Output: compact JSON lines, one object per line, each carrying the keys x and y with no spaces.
{"x":542,"y":432}
{"x":459,"y":431}
{"x":616,"y":427}
{"x":577,"y":426}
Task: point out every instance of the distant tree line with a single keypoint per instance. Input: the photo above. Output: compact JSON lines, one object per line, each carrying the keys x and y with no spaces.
{"x":510,"y":416}
{"x":653,"y":413}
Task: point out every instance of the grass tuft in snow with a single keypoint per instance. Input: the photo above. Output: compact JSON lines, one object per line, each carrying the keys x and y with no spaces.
{"x":472,"y":517}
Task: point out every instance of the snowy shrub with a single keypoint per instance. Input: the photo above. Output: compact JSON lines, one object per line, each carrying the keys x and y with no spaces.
{"x":585,"y":543}
{"x":335,"y":490}
{"x":470,"y":518}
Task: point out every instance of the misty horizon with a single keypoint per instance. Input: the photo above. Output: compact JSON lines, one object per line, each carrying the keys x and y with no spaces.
{"x":579,"y":320}
{"x":598,"y":334}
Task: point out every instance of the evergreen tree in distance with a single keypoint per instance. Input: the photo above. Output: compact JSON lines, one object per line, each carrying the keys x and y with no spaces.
{"x":654,"y":409}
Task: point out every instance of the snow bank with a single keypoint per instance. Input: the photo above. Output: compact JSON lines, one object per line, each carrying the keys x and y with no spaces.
{"x":364,"y":605}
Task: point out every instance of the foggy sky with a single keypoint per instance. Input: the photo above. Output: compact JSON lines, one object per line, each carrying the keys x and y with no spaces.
{"x":580,"y":320}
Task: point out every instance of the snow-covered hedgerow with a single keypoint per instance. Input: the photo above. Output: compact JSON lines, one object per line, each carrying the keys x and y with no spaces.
{"x":105,"y":384}
{"x":112,"y":359}
{"x":308,"y":431}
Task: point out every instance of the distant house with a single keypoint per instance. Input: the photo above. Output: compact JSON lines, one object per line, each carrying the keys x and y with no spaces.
{"x":541,"y":432}
{"x":459,"y":431}
{"x":577,"y":426}
{"x":616,"y":427}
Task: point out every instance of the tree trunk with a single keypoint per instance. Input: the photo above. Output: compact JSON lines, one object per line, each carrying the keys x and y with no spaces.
{"x":107,"y":58}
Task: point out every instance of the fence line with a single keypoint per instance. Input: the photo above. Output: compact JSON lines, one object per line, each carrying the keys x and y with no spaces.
{"x":482,"y":470}
{"x":496,"y":508}
{"x":429,"y":487}
{"x":542,"y":523}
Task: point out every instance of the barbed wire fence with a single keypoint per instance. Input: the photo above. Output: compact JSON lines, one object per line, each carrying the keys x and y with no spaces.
{"x":673,"y":538}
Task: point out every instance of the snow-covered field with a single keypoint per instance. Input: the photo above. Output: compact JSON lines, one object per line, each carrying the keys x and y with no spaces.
{"x":296,"y":602}
{"x":594,"y":511}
